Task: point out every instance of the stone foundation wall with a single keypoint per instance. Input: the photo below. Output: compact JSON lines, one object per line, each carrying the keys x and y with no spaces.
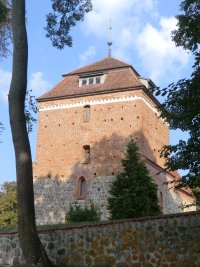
{"x":53,"y":197}
{"x":165,"y":241}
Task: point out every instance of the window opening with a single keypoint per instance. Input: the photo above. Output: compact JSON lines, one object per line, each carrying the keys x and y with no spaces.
{"x":98,"y":80}
{"x":84,"y":82}
{"x":86,"y":114}
{"x":82,"y":187}
{"x":91,"y":81}
{"x":86,"y":154}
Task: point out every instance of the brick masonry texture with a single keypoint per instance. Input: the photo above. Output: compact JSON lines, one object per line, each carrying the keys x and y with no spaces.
{"x":166,"y":241}
{"x":62,"y":134}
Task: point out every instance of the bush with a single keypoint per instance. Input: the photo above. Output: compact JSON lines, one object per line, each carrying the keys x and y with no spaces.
{"x":86,"y":214}
{"x":8,"y":204}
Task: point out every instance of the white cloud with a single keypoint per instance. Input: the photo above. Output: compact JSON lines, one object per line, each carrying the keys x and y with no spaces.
{"x":128,"y":18}
{"x":85,"y":56}
{"x":37,"y":84}
{"x":5,"y":79}
{"x":120,"y":12}
{"x":158,"y":52}
{"x":138,"y":31}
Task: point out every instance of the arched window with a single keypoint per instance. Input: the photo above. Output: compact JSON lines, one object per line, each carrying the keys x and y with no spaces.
{"x":86,"y":113}
{"x":86,"y":154}
{"x":82,"y":188}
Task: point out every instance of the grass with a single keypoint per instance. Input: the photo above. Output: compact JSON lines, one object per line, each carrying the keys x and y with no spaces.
{"x":13,"y":228}
{"x":59,"y":265}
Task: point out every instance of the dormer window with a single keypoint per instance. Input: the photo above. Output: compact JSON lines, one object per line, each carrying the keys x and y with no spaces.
{"x":84,"y":82}
{"x":91,"y":80}
{"x":97,"y":78}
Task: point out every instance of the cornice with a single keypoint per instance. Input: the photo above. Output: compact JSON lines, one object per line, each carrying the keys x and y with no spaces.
{"x":99,"y":102}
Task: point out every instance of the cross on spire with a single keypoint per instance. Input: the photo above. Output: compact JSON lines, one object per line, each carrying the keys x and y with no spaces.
{"x":109,"y":42}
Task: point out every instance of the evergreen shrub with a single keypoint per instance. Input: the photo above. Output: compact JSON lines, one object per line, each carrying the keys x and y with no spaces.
{"x":133,"y":194}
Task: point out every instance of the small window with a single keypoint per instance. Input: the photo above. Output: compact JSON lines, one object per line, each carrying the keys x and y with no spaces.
{"x":86,"y":113}
{"x":84,"y":82}
{"x":82,"y":188}
{"x":98,"y":80}
{"x":86,"y":154}
{"x":91,"y":81}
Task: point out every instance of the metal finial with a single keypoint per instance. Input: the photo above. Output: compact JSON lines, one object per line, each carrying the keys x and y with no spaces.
{"x":109,"y":42}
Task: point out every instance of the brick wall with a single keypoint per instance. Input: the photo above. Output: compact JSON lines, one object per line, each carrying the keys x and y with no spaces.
{"x":62,"y":134}
{"x":166,"y":241}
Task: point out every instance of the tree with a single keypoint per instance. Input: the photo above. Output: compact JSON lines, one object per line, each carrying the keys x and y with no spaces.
{"x":5,"y":28}
{"x":133,"y":193}
{"x":73,"y":11}
{"x":8,"y":204}
{"x":30,"y":110}
{"x":181,"y":107}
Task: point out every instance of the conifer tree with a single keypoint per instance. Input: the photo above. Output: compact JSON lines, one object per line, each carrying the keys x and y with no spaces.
{"x":133,"y":193}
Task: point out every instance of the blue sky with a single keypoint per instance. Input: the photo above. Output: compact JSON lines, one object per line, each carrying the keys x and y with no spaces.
{"x":141,"y":37}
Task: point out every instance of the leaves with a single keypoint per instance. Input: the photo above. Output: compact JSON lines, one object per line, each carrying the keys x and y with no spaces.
{"x":3,"y":11}
{"x":133,"y":193}
{"x":187,"y":35}
{"x":8,"y":204}
{"x":83,"y":214}
{"x":30,"y":110}
{"x":181,"y":107}
{"x":65,"y":16}
{"x":5,"y":28}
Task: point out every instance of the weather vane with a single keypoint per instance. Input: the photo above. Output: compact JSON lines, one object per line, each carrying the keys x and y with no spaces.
{"x":109,"y":42}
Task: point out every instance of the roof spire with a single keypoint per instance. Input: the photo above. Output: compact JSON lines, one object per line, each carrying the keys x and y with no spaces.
{"x":109,"y":42}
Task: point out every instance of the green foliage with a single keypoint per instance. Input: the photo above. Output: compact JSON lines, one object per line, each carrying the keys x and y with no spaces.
{"x":3,"y":11}
{"x":8,"y":204}
{"x":181,"y":107}
{"x":66,"y":14}
{"x":86,"y":214}
{"x":133,"y":193}
{"x":5,"y":28}
{"x":187,"y":34}
{"x":30,"y":110}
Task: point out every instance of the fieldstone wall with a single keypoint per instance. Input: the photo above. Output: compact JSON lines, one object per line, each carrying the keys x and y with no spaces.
{"x":167,"y":241}
{"x":53,"y":196}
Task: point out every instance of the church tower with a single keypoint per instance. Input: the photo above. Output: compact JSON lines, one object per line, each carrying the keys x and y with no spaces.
{"x":84,"y":125}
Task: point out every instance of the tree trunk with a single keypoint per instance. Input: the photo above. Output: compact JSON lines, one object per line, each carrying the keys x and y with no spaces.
{"x":32,"y":248}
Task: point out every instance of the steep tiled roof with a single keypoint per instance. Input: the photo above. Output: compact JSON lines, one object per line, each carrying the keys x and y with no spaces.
{"x":102,"y":65}
{"x":117,"y":79}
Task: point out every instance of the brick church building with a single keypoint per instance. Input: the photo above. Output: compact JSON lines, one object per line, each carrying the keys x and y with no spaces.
{"x":84,"y":125}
